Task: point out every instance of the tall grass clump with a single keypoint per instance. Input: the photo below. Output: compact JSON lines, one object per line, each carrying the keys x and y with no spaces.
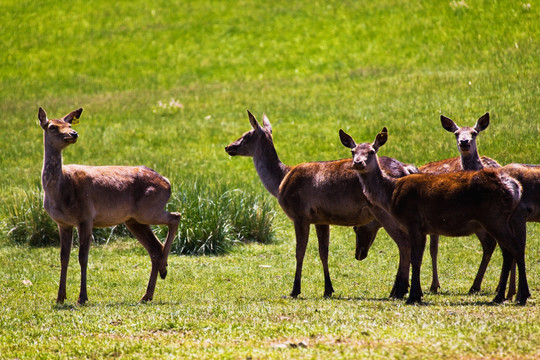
{"x":25,"y":222}
{"x":214,"y":219}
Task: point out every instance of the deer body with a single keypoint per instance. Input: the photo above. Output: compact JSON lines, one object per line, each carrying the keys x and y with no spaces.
{"x":101,"y":196}
{"x":320,"y":193}
{"x":454,"y":204}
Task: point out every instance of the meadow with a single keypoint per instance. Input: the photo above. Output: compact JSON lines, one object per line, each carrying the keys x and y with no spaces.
{"x":167,"y":84}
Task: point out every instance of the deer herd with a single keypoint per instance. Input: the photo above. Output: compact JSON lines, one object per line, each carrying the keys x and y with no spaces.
{"x":455,"y":197}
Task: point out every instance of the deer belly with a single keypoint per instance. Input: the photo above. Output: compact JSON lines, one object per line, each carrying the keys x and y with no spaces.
{"x":447,"y":227}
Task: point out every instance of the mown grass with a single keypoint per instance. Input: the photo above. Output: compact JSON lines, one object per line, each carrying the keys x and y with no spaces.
{"x":313,"y":67}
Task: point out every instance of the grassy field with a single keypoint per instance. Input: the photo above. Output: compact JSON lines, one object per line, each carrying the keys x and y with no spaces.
{"x":167,"y":84}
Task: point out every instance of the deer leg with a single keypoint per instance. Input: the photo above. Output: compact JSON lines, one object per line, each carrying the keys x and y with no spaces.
{"x":323,"y":235}
{"x":85,"y":239}
{"x":66,"y":238}
{"x":418,"y":243}
{"x":172,"y":223}
{"x":507,"y":262}
{"x":512,"y":282}
{"x":153,"y":246}
{"x":401,"y":284}
{"x":488,"y":246}
{"x":520,"y":230}
{"x":365,"y":235}
{"x":434,"y":251}
{"x":301,"y":230}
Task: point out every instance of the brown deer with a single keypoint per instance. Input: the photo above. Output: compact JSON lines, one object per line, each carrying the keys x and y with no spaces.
{"x":469,"y":159}
{"x":323,"y":194}
{"x":101,"y":196}
{"x":452,"y":204}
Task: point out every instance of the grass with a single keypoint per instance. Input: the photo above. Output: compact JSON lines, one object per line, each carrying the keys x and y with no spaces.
{"x":313,"y":67}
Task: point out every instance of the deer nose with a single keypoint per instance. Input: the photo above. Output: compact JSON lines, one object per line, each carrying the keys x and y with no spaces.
{"x":74,"y":134}
{"x":464,"y":142}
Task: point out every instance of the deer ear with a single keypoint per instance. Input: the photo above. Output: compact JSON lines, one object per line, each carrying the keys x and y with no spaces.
{"x":381,"y":138}
{"x":73,"y":116}
{"x":482,"y":123}
{"x":346,"y":139}
{"x":448,"y":124}
{"x":42,"y":116}
{"x":266,"y":123}
{"x":254,"y":123}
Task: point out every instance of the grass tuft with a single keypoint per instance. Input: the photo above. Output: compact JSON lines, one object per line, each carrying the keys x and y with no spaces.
{"x":214,"y":219}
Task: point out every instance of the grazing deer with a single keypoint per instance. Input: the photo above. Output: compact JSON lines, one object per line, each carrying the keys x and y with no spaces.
{"x":320,"y":193}
{"x":101,"y":196}
{"x":469,"y":159}
{"x":452,"y":204}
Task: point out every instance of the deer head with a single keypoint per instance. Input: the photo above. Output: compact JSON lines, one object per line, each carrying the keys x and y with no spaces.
{"x":248,"y":143}
{"x":365,"y":154}
{"x":58,"y":132}
{"x":466,"y":136}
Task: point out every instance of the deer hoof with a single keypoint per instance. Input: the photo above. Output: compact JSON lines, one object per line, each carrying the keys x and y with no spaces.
{"x":146,"y":298}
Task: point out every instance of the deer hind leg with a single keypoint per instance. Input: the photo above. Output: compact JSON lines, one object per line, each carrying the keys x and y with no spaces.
{"x":85,"y":239}
{"x":488,"y":246}
{"x":512,"y":282}
{"x":160,"y":217}
{"x":301,"y":229}
{"x":66,"y":239}
{"x":434,"y":252}
{"x":153,"y":246}
{"x":173,"y":219}
{"x":323,"y":235}
{"x":507,"y":262}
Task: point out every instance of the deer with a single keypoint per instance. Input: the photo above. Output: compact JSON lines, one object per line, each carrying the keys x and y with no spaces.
{"x":468,"y":160}
{"x":451,"y":204}
{"x":84,"y":197}
{"x":321,"y":193}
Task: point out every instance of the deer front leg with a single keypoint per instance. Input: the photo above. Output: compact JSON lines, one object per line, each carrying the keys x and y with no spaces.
{"x":301,"y":229}
{"x":323,"y":235}
{"x":401,"y":284}
{"x":85,"y":239}
{"x":66,"y":238}
{"x":434,"y":252}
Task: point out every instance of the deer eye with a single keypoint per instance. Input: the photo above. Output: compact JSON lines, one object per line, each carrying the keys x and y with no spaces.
{"x":371,"y":152}
{"x":53,"y":127}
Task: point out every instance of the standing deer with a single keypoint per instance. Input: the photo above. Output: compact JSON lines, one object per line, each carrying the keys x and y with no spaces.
{"x":85,"y":197}
{"x":323,"y":194}
{"x":452,"y":204}
{"x":469,"y":159}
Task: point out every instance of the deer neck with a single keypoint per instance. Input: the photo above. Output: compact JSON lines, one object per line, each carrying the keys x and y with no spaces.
{"x":270,"y":169}
{"x":51,"y":174}
{"x":378,"y":187}
{"x":471,"y":162}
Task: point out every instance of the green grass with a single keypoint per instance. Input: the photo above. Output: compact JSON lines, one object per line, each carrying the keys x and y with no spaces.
{"x":313,"y":67}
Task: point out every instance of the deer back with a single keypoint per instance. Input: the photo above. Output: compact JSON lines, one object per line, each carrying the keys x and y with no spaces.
{"x":329,"y":192}
{"x":454,"y":204}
